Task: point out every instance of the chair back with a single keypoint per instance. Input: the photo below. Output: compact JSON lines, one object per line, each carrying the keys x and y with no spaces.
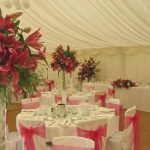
{"x":33,"y":134}
{"x":95,"y":130}
{"x":116,"y":104}
{"x":131,"y":133}
{"x":30,"y":103}
{"x":72,"y":143}
{"x":100,"y":98}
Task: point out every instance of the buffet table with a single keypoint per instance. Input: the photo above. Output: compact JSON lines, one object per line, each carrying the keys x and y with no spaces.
{"x":138,"y":96}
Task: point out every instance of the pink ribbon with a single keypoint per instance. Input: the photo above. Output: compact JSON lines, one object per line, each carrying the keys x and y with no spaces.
{"x":75,"y":102}
{"x":28,"y":134}
{"x":50,"y":84}
{"x":118,"y":110}
{"x":58,"y":98}
{"x":111,"y":92}
{"x":102,"y":98}
{"x":95,"y":135}
{"x":62,"y":147}
{"x":33,"y":105}
{"x":135,"y":121}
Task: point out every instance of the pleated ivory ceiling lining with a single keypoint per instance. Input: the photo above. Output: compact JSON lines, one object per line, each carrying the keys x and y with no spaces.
{"x":88,"y":24}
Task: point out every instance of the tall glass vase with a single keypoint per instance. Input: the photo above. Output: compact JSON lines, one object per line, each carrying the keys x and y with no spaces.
{"x":2,"y":124}
{"x":63,"y":80}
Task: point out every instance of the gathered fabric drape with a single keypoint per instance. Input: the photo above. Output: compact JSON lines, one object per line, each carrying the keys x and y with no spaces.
{"x":86,"y":24}
{"x":91,"y":27}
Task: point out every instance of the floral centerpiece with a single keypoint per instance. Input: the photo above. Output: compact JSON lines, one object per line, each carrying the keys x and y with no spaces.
{"x":64,"y":61}
{"x":18,"y":60}
{"x":88,"y":70}
{"x":120,"y":83}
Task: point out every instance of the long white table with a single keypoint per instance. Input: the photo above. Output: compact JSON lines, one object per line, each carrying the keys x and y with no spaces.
{"x":138,"y":96}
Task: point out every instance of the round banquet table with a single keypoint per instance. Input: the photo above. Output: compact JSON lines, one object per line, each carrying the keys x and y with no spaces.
{"x":67,"y":126}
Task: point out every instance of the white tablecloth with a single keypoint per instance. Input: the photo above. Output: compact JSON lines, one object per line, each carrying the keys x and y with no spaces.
{"x":54,"y":127}
{"x":138,"y":96}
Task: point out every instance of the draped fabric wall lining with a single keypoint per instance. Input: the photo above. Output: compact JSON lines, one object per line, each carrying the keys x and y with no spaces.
{"x":90,"y":25}
{"x":86,"y":24}
{"x":121,"y":62}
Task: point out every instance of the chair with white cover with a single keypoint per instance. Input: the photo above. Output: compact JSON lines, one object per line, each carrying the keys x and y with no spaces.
{"x":33,"y":134}
{"x":30,"y":103}
{"x":129,"y":138}
{"x":95,"y":130}
{"x":116,"y":104}
{"x":100,"y":98}
{"x":72,"y":143}
{"x":12,"y":139}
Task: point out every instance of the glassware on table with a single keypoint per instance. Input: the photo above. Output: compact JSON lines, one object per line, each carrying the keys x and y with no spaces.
{"x":62,"y":110}
{"x":84,"y":109}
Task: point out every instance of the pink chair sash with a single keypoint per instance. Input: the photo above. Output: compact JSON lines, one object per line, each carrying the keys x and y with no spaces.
{"x":58,"y":98}
{"x":118,"y":108}
{"x":33,"y":105}
{"x":28,"y":133}
{"x":102,"y":99}
{"x":75,"y":102}
{"x":96,"y":135}
{"x":62,"y":147}
{"x":50,"y":84}
{"x":111,"y":92}
{"x":118,"y":111}
{"x":135,"y":121}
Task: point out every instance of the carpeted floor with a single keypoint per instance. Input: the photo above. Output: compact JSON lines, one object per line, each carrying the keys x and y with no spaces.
{"x":144,"y":125}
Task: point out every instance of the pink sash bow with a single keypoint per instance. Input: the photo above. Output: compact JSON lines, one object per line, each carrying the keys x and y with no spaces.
{"x":28,"y":133}
{"x":96,"y":135}
{"x":135,"y":121}
{"x":62,"y":147}
{"x":102,"y":98}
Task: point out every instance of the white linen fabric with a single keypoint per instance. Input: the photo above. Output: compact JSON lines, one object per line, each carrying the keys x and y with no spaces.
{"x":89,"y":24}
{"x":138,"y":96}
{"x":92,"y":126}
{"x":67,"y":126}
{"x":39,"y":142}
{"x":123,"y":140}
{"x":13,"y":141}
{"x":73,"y":141}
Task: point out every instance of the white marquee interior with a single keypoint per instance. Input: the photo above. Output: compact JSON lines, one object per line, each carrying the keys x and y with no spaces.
{"x":117,"y":32}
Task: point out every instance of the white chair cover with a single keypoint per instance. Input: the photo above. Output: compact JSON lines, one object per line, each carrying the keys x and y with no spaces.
{"x":37,"y":127}
{"x":72,"y":142}
{"x":123,"y":140}
{"x":92,"y":126}
{"x":116,"y":104}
